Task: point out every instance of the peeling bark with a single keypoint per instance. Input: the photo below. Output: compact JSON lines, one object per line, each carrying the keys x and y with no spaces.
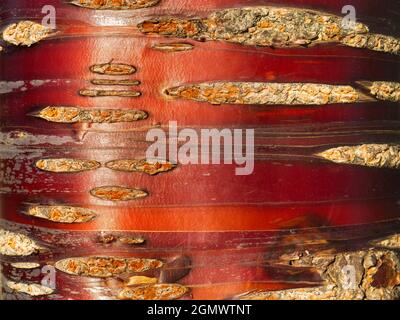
{"x":369,"y":155}
{"x":258,"y":93}
{"x":25,"y":33}
{"x":76,"y":115}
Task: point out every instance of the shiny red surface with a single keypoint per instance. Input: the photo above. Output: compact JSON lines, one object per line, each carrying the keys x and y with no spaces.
{"x":289,"y":188}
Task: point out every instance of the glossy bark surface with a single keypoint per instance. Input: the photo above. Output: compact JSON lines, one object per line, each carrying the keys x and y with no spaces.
{"x":233,"y":229}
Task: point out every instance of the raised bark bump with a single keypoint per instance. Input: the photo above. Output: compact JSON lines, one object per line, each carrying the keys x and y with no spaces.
{"x":261,"y":26}
{"x":111,"y":82}
{"x":113,"y":69}
{"x":132,"y":240}
{"x":154,"y":292}
{"x":272,"y":27}
{"x":376,"y":276}
{"x":369,"y":155}
{"x":383,"y":90}
{"x":375,"y":42}
{"x":17,"y":244}
{"x":141,"y":165}
{"x":25,"y":265}
{"x":140,"y":280}
{"x":264,"y":93}
{"x":64,"y":165}
{"x":25,"y":33}
{"x":173,"y":47}
{"x":33,"y":289}
{"x":61,"y":214}
{"x":115,"y":193}
{"x":76,"y":115}
{"x":104,"y":267}
{"x":114,"y":4}
{"x":109,"y":93}
{"x":392,"y":242}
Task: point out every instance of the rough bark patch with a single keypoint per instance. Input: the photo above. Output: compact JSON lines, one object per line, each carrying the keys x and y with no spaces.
{"x":369,"y":155}
{"x":16,"y":244}
{"x":273,"y":27}
{"x":258,"y":93}
{"x":383,"y":90}
{"x":104,"y":267}
{"x":76,"y":115}
{"x":132,"y":241}
{"x":154,"y":292}
{"x":151,"y":168}
{"x":140,"y":280}
{"x":113,"y":69}
{"x":258,"y":26}
{"x":109,"y":93}
{"x":118,"y":193}
{"x":115,"y":4}
{"x":67,"y":165}
{"x":111,"y":82}
{"x":61,"y":214}
{"x":33,"y":290}
{"x":362,"y":275}
{"x":25,"y":265}
{"x":375,"y":42}
{"x":173,"y":47}
{"x":25,"y":33}
{"x":392,"y":242}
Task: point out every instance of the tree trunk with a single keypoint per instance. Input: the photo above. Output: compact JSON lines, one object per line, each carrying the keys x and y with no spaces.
{"x":86,"y":214}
